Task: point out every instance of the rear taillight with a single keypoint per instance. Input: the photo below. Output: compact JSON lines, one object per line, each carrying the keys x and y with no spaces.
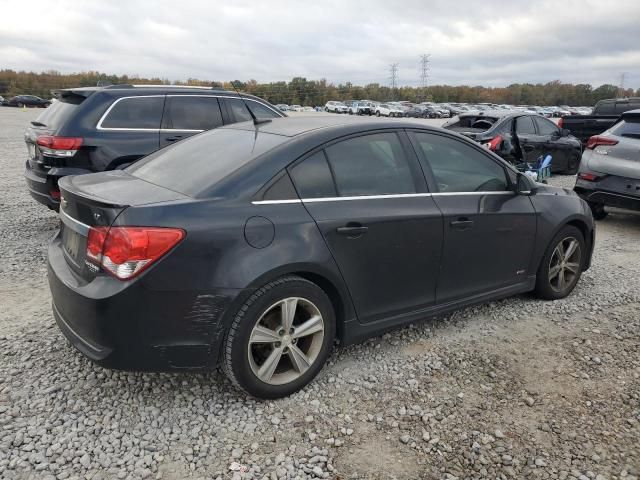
{"x":125,"y":252}
{"x":59,"y":146}
{"x":561,"y":122}
{"x":494,"y":143}
{"x":590,"y":177}
{"x":598,"y":140}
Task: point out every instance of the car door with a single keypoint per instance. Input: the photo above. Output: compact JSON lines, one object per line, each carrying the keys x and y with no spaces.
{"x":530,"y":144}
{"x":186,"y":115}
{"x":489,"y":230}
{"x":555,"y":144}
{"x":368,"y":197}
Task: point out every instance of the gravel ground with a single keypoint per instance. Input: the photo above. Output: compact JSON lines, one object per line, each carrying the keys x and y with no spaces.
{"x":518,"y":388}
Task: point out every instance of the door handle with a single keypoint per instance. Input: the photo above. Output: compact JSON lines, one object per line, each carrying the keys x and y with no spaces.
{"x":174,"y":139}
{"x":528,"y":148}
{"x":461,"y":224}
{"x":352,"y":230}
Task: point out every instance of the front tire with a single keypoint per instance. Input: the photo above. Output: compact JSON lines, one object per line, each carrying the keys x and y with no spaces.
{"x":561,"y":265}
{"x":280,"y":338}
{"x":597,"y":211}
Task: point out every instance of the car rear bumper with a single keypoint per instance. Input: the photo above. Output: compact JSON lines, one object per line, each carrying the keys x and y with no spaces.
{"x":40,"y":188}
{"x":611,"y":192}
{"x":133,"y":326}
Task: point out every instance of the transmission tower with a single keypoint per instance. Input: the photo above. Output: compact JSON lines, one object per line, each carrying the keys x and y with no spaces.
{"x":424,"y":74}
{"x":621,"y":87}
{"x":393,"y":68}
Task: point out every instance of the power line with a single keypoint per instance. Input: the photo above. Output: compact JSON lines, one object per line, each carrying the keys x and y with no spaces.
{"x":393,"y":68}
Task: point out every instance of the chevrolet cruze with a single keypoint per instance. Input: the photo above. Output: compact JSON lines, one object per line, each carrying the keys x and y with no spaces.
{"x":256,"y":246}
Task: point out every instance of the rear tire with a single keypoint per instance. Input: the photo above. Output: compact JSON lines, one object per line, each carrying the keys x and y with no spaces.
{"x":377,"y":114}
{"x":572,"y":164}
{"x":561,"y":266}
{"x":598,"y":211}
{"x":257,"y":339}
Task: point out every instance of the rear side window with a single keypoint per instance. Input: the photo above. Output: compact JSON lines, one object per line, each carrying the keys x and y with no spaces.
{"x":458,"y":167}
{"x":57,"y":114}
{"x":312,"y":177}
{"x":238,"y":110}
{"x":524,"y":125}
{"x":193,"y":166}
{"x":191,"y":113}
{"x":622,"y":107}
{"x":370,"y":165}
{"x":545,"y":127}
{"x":135,"y":112}
{"x":629,"y":127}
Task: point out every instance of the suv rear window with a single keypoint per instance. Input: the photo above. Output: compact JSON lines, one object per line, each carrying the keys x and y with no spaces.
{"x":192,"y":167}
{"x":135,"y":112}
{"x":629,"y":127}
{"x":57,"y":114}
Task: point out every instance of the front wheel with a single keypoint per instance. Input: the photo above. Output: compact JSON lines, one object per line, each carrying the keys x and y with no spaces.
{"x":377,"y":114}
{"x":280,"y":338}
{"x":561,"y":265}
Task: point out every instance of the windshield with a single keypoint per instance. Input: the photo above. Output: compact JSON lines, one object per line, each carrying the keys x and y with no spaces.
{"x":195,"y":164}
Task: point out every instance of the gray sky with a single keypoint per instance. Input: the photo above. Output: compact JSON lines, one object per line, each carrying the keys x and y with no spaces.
{"x":487,"y":42}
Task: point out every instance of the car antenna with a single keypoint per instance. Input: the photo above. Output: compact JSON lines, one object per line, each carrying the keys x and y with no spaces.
{"x":256,"y":122}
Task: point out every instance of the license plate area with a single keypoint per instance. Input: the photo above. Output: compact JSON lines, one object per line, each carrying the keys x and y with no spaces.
{"x":74,"y":246}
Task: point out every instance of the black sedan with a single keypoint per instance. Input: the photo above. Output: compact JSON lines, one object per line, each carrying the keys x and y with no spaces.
{"x":521,"y":138}
{"x":256,"y":246}
{"x":27,"y":101}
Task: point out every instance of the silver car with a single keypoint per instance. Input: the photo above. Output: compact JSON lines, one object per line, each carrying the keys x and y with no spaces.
{"x":609,"y":174}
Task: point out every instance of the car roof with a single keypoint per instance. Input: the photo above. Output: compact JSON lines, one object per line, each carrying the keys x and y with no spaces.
{"x":148,"y":89}
{"x":289,"y":127}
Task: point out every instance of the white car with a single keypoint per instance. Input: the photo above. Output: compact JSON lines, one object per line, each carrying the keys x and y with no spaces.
{"x":387,"y":110}
{"x":296,"y":108}
{"x":336,"y":107}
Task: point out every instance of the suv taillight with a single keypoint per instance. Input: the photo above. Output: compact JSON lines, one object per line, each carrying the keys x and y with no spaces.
{"x":125,"y":252}
{"x":590,"y":177}
{"x":59,"y":146}
{"x":598,"y":140}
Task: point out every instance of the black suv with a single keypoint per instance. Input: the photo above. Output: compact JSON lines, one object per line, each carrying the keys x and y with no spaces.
{"x":93,"y":129}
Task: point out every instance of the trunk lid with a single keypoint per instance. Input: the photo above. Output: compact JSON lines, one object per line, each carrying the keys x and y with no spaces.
{"x":622,"y":159}
{"x":96,"y":200}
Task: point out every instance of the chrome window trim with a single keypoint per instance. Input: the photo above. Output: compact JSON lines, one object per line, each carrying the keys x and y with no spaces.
{"x":374,"y":197}
{"x":74,"y":224}
{"x":125,"y":129}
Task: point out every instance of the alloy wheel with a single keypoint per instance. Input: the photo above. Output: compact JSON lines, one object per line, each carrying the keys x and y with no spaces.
{"x":286,"y":341}
{"x":564,"y":265}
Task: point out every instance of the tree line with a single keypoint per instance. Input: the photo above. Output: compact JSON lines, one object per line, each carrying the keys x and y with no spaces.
{"x":305,"y":92}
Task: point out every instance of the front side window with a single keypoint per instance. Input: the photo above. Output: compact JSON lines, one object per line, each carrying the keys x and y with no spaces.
{"x":238,"y":109}
{"x":135,"y":112}
{"x":524,"y":126}
{"x":191,"y":113}
{"x":370,"y":165}
{"x":545,"y":127}
{"x":458,"y":167}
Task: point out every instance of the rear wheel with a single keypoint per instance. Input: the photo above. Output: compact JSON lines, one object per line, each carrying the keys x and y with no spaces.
{"x":561,"y":265}
{"x":20,"y":104}
{"x":598,"y":211}
{"x":573,"y":164}
{"x":280,"y":338}
{"x":378,"y":113}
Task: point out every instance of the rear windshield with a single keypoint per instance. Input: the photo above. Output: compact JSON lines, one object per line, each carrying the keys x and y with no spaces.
{"x":478,"y":123}
{"x":195,"y":164}
{"x":56,"y":115}
{"x":629,"y":127}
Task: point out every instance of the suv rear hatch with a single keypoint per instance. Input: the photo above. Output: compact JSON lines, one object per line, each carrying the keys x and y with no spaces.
{"x":95,"y":201}
{"x":45,"y":150}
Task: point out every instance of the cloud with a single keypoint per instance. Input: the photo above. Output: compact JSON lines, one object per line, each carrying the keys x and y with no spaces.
{"x":490,"y":43}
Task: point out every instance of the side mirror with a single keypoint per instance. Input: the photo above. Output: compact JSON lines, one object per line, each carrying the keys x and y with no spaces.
{"x":524,"y":185}
{"x":564,"y":132}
